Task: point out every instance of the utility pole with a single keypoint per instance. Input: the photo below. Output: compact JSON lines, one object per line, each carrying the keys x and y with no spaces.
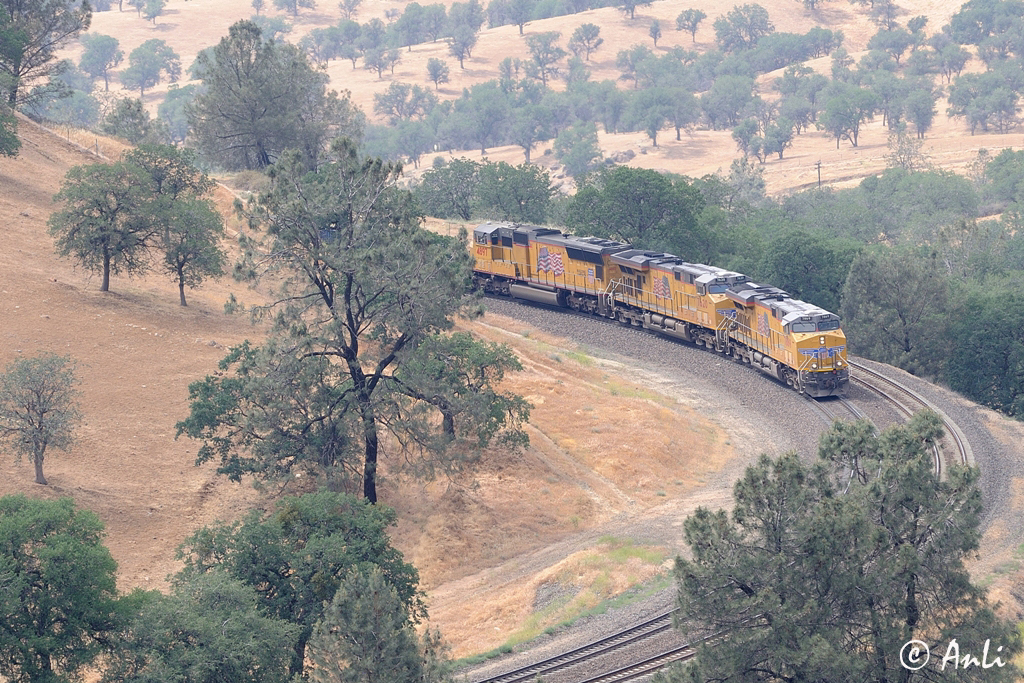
{"x":819,"y":173}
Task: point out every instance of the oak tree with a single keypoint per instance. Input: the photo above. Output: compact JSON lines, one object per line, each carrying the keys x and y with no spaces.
{"x":461,"y":43}
{"x":294,"y":5}
{"x":629,"y":6}
{"x":59,"y":600}
{"x":191,"y":227}
{"x":102,"y":53}
{"x":153,"y":9}
{"x":105,"y":224}
{"x":38,"y":407}
{"x":192,"y":251}
{"x":148,"y":62}
{"x":742,"y":27}
{"x":689,"y":20}
{"x":437,"y":71}
{"x":545,"y":53}
{"x":585,"y":39}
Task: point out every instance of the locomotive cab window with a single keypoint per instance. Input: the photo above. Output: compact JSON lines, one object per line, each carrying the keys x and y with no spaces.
{"x":828,"y":325}
{"x":802,"y":327}
{"x":481,"y":237}
{"x":718,"y":289}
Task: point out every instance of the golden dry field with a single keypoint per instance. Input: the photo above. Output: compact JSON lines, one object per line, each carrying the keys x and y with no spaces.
{"x":190,"y":25}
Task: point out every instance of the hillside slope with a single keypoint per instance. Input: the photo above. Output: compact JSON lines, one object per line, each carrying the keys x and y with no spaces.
{"x":137,"y":351}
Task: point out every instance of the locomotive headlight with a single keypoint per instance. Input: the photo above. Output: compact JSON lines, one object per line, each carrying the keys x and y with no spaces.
{"x":814,"y":366}
{"x":821,"y":340}
{"x":839,"y":363}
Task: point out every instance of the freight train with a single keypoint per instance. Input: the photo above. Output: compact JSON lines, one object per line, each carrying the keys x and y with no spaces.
{"x":795,"y":342}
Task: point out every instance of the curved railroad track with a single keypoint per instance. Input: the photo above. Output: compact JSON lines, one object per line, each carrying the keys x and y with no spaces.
{"x":838,"y":408}
{"x":658,"y":624}
{"x":906,"y":402}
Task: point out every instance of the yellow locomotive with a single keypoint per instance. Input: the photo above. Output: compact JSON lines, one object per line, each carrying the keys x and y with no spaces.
{"x":795,"y":342}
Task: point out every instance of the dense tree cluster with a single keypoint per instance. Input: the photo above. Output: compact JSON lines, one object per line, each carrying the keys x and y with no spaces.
{"x":147,"y":63}
{"x":824,"y":572}
{"x":673,"y":87}
{"x":520,"y":108}
{"x":318,"y":570}
{"x":466,"y":189}
{"x":895,"y":81}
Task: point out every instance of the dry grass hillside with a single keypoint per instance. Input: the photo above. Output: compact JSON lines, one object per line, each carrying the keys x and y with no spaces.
{"x":524,"y":526}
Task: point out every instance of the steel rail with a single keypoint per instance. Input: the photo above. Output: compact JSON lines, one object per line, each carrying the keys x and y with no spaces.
{"x":954,"y":432}
{"x":645,"y":667}
{"x":651,"y":627}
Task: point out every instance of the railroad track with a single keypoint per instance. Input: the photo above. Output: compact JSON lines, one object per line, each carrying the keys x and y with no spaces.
{"x":526,"y":674}
{"x":647,"y":667}
{"x":837,"y":408}
{"x":907,"y":402}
